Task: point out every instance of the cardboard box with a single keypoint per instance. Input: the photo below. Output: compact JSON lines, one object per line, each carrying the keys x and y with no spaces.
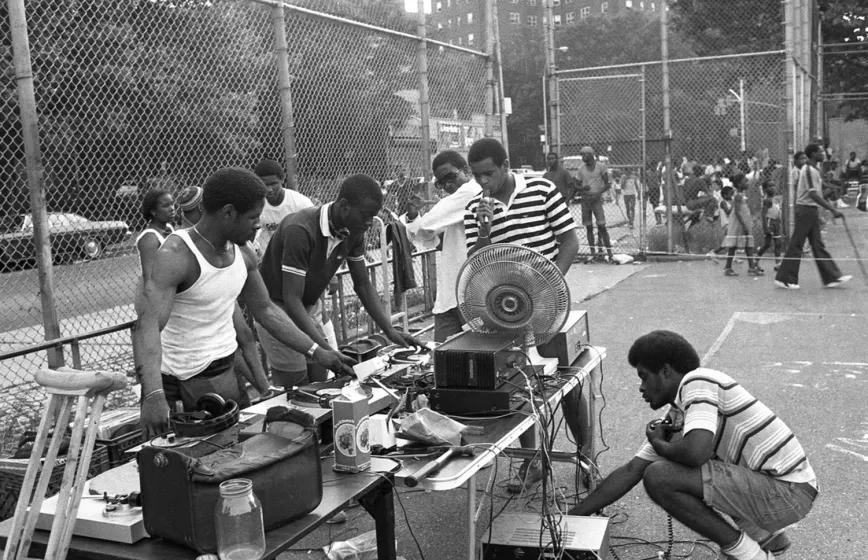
{"x":351,"y":433}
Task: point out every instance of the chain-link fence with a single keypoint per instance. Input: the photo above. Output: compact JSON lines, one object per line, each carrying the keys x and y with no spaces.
{"x":139,"y":95}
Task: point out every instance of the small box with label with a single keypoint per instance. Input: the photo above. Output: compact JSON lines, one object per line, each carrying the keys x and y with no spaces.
{"x":350,"y":414}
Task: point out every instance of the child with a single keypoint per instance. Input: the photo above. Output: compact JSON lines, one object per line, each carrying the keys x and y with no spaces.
{"x":772,"y":225}
{"x":738,"y":233}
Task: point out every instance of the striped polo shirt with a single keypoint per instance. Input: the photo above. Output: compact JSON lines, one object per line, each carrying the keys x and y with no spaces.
{"x":535,"y":215}
{"x":745,"y":431}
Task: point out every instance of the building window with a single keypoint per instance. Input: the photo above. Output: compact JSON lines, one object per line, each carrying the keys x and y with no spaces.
{"x":556,"y":2}
{"x":439,"y":6}
{"x":531,"y":2}
{"x":653,"y":7}
{"x":628,"y":3}
{"x":470,"y":39}
{"x":586,"y":12}
{"x":449,"y":23}
{"x":470,"y":17}
{"x":531,"y":20}
{"x":461,"y":41}
{"x":557,"y":19}
{"x":515,"y":1}
{"x":514,"y":18}
{"x":641,"y":5}
{"x":439,"y":26}
{"x":571,"y":17}
{"x":604,"y":7}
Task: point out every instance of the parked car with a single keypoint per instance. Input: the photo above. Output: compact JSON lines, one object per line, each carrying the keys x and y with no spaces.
{"x":72,"y":237}
{"x":528,"y":172}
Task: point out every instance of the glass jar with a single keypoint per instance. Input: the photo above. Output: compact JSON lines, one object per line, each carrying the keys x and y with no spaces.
{"x":238,"y":522}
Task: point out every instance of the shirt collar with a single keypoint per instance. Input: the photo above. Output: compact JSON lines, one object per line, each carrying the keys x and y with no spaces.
{"x":327,"y":228}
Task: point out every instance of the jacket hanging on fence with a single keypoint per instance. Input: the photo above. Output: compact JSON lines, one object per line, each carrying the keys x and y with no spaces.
{"x":402,"y":259}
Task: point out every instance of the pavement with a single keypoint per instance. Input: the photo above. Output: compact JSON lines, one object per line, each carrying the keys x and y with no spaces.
{"x":801,"y":352}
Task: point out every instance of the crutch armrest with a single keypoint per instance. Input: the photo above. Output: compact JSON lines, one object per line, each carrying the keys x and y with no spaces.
{"x":69,"y":381}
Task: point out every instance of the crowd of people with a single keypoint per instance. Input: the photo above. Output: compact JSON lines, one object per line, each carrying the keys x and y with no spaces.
{"x":243,"y":240}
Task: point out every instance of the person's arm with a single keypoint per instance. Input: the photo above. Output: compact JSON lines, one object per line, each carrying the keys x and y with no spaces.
{"x":817,"y":197}
{"x":292,"y":289}
{"x":604,"y":173}
{"x":147,"y":246}
{"x":692,"y":450}
{"x":764,"y":215}
{"x":371,"y":302}
{"x":254,"y":372}
{"x":476,"y":232}
{"x":277,"y":322}
{"x":153,"y":305}
{"x":568,"y":248}
{"x":613,"y":487}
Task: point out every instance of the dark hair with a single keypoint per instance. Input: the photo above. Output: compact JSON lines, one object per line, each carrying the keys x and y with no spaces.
{"x":768,"y":186}
{"x":658,"y":348}
{"x":487,"y":148}
{"x":267,"y":167}
{"x":232,"y":185}
{"x":812,"y":149}
{"x":797,"y":155}
{"x":726,"y":189}
{"x":737,"y":179}
{"x":451,"y":157}
{"x":150,"y":201}
{"x":356,"y":189}
{"x":552,"y":153}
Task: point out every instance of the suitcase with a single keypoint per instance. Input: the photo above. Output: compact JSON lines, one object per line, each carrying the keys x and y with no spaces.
{"x":180,"y":493}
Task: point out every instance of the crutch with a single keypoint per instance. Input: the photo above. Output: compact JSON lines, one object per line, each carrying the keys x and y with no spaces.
{"x":855,"y":249}
{"x":64,"y":386}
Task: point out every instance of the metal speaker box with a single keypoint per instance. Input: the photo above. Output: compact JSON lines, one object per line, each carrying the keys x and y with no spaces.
{"x":474,"y":360}
{"x":567,"y":344}
{"x":519,"y":535}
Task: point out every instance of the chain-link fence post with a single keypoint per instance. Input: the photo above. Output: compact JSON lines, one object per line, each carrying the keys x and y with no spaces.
{"x":490,"y":81}
{"x":284,"y":87}
{"x":667,"y":128}
{"x":33,"y":162}
{"x":424,"y":101}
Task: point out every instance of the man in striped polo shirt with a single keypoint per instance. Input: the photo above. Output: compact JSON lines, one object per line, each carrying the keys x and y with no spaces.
{"x":716,"y":451}
{"x":531,"y":213}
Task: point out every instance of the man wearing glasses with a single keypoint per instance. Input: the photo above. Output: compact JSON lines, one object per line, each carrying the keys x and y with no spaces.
{"x":452,"y":174}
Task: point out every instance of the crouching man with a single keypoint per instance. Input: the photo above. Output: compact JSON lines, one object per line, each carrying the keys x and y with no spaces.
{"x":719,"y":460}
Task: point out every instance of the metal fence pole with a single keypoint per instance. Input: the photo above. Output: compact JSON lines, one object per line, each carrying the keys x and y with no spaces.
{"x":667,"y":130}
{"x":551,"y":69}
{"x":33,"y":162}
{"x":490,"y":81}
{"x":284,"y":85}
{"x":504,"y":135}
{"x":789,"y":104}
{"x":643,"y":239}
{"x":424,"y":101}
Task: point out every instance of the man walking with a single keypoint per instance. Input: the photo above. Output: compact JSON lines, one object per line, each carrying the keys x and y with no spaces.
{"x":447,"y":218}
{"x":716,"y":450}
{"x":593,"y":179}
{"x":809,"y":199}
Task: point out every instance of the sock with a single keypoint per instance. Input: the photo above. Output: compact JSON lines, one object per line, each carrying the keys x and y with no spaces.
{"x":745,"y":548}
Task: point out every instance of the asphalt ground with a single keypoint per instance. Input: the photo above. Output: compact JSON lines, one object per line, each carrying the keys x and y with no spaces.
{"x":801,"y":352}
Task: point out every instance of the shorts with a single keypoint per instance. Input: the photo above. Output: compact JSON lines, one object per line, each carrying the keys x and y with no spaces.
{"x":774,"y":227}
{"x":755,"y":499}
{"x":592,"y":205}
{"x":219,"y":377}
{"x":289,"y":367}
{"x":447,"y":324}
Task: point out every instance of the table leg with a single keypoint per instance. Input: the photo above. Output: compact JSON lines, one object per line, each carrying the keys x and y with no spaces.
{"x":471,"y":518}
{"x":379,"y":505}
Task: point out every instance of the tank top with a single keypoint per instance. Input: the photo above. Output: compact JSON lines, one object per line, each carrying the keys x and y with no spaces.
{"x":200,"y":329}
{"x":156,"y":232}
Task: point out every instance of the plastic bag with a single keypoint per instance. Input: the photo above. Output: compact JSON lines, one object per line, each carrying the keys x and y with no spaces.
{"x":360,"y":547}
{"x":432,"y":428}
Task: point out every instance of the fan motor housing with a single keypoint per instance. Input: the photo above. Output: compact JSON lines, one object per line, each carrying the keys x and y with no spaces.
{"x":476,"y":360}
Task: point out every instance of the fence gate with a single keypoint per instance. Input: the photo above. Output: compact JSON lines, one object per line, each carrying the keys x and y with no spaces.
{"x":607,"y":112}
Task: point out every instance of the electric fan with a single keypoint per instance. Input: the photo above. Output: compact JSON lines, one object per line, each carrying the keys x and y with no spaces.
{"x":506,"y":289}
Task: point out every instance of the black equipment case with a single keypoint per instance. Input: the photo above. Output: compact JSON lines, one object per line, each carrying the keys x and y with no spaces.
{"x":180,"y":493}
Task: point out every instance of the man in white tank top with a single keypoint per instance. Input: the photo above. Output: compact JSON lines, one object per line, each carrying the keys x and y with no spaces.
{"x":184,"y":341}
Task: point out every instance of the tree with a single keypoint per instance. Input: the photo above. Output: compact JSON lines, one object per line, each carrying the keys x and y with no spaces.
{"x":845,"y":68}
{"x":728,"y":27}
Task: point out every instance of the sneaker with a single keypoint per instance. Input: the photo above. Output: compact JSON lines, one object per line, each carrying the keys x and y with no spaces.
{"x":730,"y":272}
{"x":529,"y":473}
{"x":841,"y":204}
{"x":777,"y":543}
{"x":755,"y":271}
{"x":786,"y":285}
{"x":842,"y":280}
{"x":339,"y":517}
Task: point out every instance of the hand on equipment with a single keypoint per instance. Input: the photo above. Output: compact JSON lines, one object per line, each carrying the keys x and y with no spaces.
{"x":658,"y":430}
{"x":403,"y":339}
{"x":340,"y":364}
{"x":155,"y":416}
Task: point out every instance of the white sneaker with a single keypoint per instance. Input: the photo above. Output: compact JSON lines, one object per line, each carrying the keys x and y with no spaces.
{"x":786,"y":285}
{"x":842,"y":204}
{"x":842,"y":280}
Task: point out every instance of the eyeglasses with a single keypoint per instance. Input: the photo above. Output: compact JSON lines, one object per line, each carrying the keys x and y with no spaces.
{"x":446,"y":179}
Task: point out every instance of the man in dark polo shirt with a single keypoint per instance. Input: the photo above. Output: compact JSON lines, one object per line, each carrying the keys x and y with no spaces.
{"x":304,"y":254}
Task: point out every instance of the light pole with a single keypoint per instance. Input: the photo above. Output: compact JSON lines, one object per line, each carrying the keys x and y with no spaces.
{"x":742,"y":107}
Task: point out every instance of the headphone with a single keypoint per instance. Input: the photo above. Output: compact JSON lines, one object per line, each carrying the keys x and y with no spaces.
{"x":213,"y":414}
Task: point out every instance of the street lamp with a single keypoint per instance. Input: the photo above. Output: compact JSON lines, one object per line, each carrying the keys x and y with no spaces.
{"x":742,"y":103}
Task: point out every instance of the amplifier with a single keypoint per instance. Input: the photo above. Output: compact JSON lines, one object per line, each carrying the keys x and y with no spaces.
{"x":448,"y":400}
{"x":475,"y":360}
{"x":567,"y":344}
{"x":516,"y":536}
